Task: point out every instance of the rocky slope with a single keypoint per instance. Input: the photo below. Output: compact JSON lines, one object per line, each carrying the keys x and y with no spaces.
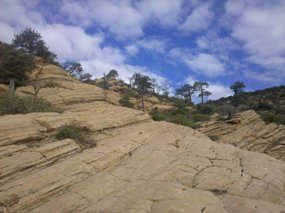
{"x":138,"y":165}
{"x":248,"y":131}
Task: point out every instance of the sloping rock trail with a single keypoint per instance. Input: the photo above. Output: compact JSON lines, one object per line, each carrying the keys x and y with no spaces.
{"x":139,"y":165}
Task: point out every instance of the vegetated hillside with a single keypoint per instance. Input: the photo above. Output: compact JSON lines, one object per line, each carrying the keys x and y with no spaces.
{"x":130,"y":96}
{"x":97,"y":156}
{"x":269,"y":103}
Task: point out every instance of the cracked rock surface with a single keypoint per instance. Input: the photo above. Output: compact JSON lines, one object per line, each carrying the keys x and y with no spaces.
{"x":248,"y":131}
{"x":139,"y":165}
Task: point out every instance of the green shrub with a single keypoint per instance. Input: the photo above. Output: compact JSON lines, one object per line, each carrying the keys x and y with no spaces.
{"x":156,"y":115}
{"x":25,"y":104}
{"x":103,"y":84}
{"x":206,"y":109}
{"x":214,"y":137}
{"x":182,"y":111}
{"x":125,"y":102}
{"x":280,"y":118}
{"x":76,"y":133}
{"x":52,"y":84}
{"x":200,"y":117}
{"x":239,"y":99}
{"x":14,"y":64}
{"x":181,"y":120}
{"x":268,"y":117}
{"x":242,"y":108}
{"x":159,"y":117}
{"x":227,"y":111}
{"x":180,"y":104}
{"x":264,"y":106}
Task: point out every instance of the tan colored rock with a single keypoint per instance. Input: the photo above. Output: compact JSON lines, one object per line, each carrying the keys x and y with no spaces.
{"x":97,"y":116}
{"x":3,"y":88}
{"x":236,"y":204}
{"x":152,"y":99}
{"x":13,"y":161}
{"x":69,"y":91}
{"x":138,"y":165}
{"x":247,"y":131}
{"x":19,"y":128}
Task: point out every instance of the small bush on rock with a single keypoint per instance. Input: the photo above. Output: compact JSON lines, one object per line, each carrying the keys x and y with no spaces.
{"x":214,"y":137}
{"x":25,"y":104}
{"x":206,"y":109}
{"x":227,"y":111}
{"x":181,"y":119}
{"x":76,"y":133}
{"x":125,"y":102}
{"x":157,"y":116}
{"x":52,"y":84}
{"x":200,"y":117}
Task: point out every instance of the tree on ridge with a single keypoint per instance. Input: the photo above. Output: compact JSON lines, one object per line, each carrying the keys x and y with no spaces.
{"x":200,"y":87}
{"x":237,"y":87}
{"x":143,"y":84}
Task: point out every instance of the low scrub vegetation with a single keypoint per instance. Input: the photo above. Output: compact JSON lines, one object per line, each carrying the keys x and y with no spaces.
{"x":125,"y":102}
{"x":180,"y":115}
{"x":76,"y":133}
{"x":52,"y":84}
{"x":25,"y":104}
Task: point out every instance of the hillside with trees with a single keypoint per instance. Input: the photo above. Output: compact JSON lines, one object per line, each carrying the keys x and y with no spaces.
{"x":268,"y":103}
{"x":18,"y":60}
{"x":94,"y":144}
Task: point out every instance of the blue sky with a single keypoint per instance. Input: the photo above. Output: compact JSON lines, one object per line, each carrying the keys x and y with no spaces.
{"x":179,"y":41}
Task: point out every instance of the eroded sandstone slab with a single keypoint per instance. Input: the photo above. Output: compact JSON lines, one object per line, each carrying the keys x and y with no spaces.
{"x":247,"y":131}
{"x":152,"y":167}
{"x":138,"y":165}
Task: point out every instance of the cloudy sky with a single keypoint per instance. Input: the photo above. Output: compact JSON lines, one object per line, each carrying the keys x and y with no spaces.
{"x":218,"y":41}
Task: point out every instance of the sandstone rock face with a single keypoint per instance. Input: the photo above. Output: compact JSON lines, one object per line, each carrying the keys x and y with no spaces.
{"x":139,"y":165}
{"x":69,"y":90}
{"x":148,"y":166}
{"x":247,"y":131}
{"x":3,"y":88}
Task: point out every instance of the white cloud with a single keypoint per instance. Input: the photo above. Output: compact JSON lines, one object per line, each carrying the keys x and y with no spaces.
{"x":203,"y":43}
{"x":266,"y":77}
{"x":206,"y":64}
{"x":119,"y":17}
{"x":131,"y":49}
{"x":96,"y":58}
{"x":16,"y":15}
{"x":259,"y":25}
{"x":72,"y":43}
{"x":199,"y":19}
{"x":9,"y":32}
{"x":190,"y":80}
{"x":218,"y":91}
{"x":179,"y":53}
{"x":153,"y":45}
{"x":20,"y":13}
{"x":165,"y":12}
{"x":125,"y":18}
